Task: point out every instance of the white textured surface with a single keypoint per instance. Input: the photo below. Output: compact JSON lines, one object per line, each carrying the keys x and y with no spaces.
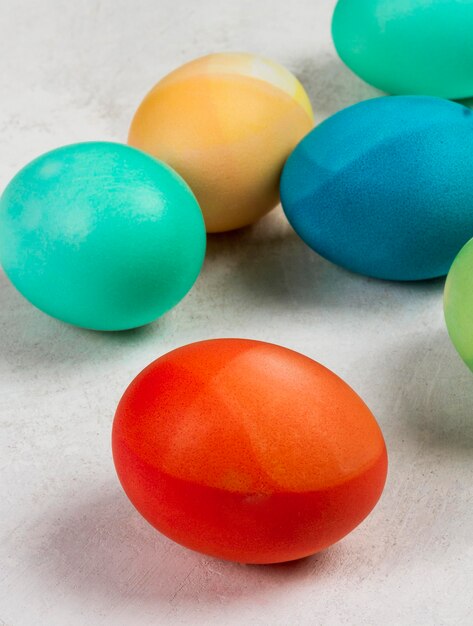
{"x":73,"y":550}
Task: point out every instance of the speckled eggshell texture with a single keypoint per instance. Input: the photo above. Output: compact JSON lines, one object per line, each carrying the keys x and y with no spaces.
{"x":247,"y":451}
{"x":385,"y":187}
{"x":420,"y":47}
{"x":101,"y":235}
{"x":226,"y":122}
{"x":458,"y":303}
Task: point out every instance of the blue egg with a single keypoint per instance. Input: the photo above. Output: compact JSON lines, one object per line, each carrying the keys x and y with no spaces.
{"x":385,"y":187}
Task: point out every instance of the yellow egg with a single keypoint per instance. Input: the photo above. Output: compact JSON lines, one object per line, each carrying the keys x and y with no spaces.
{"x":227,"y":123}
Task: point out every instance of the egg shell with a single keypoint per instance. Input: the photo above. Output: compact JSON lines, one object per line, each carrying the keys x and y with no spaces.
{"x":458,"y":303}
{"x":101,"y":235}
{"x":385,"y":187}
{"x":420,"y":47}
{"x":226,"y":122}
{"x":247,"y":451}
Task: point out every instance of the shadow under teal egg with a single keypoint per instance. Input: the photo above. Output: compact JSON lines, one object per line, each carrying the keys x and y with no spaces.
{"x":385,"y":187}
{"x":101,"y":235}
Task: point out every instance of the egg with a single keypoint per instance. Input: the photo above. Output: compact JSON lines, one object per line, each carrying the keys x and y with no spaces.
{"x":458,"y":303}
{"x":247,"y":451}
{"x":101,"y":235}
{"x":385,"y":187}
{"x":419,"y":47}
{"x":226,"y":122}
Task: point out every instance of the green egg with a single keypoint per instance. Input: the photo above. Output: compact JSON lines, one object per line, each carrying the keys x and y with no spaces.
{"x":420,"y":47}
{"x":101,"y":235}
{"x":458,"y":303}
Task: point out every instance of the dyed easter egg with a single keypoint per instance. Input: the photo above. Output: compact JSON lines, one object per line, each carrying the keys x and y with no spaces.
{"x":408,"y":46}
{"x":247,"y":451}
{"x":101,"y":235}
{"x":385,"y":187}
{"x":458,"y":303}
{"x":226,"y":122}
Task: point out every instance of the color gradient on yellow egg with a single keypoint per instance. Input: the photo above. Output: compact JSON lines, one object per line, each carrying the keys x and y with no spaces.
{"x":227,"y":123}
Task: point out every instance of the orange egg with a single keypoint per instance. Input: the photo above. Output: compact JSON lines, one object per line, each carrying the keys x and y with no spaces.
{"x":247,"y":451}
{"x":227,"y":123}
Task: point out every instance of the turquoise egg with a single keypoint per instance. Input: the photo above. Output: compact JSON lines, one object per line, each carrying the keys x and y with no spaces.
{"x":101,"y":235}
{"x":420,"y":47}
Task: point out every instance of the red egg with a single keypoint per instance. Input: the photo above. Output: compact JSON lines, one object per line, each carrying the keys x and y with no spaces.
{"x":247,"y":451}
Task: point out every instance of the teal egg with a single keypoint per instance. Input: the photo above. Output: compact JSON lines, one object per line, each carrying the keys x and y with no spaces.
{"x":422,"y":47}
{"x":101,"y":235}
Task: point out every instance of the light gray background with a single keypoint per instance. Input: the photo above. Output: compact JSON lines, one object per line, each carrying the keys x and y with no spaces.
{"x":73,"y":549}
